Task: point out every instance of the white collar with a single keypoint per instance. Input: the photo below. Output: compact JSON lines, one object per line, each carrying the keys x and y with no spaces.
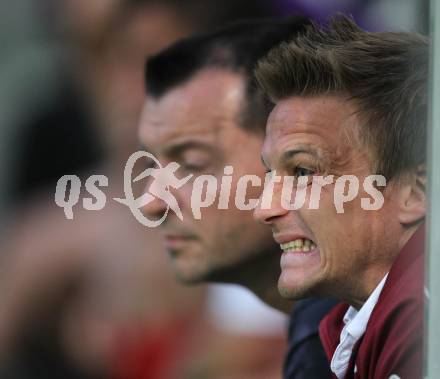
{"x":356,"y":321}
{"x":355,"y":325}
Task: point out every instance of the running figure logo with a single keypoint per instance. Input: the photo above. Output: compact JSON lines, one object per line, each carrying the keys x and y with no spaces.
{"x":163,"y":179}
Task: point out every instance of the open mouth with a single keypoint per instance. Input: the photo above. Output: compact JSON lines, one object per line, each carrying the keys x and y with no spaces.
{"x":299,"y":245}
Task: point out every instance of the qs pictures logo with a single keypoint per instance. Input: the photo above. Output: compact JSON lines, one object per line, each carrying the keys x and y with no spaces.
{"x":294,"y":192}
{"x":163,"y":179}
{"x":69,"y":187}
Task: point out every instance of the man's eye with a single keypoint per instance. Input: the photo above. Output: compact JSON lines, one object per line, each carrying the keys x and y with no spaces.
{"x":149,"y":163}
{"x":302,"y":171}
{"x":192,"y":167}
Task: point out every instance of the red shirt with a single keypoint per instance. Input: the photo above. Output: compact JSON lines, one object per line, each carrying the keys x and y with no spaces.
{"x":393,"y":341}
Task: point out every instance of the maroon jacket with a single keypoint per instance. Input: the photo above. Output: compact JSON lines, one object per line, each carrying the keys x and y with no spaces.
{"x":393,"y":340}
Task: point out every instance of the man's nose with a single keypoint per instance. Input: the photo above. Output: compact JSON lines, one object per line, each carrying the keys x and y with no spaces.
{"x":156,"y":207}
{"x":269,"y":208}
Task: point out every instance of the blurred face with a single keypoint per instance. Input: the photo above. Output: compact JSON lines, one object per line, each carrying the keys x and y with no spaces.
{"x":196,"y":125}
{"x":347,"y":253}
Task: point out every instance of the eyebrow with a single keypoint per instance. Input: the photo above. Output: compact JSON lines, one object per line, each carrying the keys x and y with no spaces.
{"x":289,"y":154}
{"x":180,"y":147}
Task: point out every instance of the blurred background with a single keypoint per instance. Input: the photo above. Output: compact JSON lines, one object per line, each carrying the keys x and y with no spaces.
{"x":95,"y":297}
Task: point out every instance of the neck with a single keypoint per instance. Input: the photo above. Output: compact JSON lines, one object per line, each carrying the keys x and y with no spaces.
{"x":261,"y":277}
{"x":373,"y":279}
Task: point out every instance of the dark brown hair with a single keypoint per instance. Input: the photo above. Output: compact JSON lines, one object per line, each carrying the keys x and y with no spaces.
{"x":384,"y":74}
{"x":235,"y":47}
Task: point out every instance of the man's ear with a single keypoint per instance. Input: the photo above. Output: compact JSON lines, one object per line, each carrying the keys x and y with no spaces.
{"x":413,"y":196}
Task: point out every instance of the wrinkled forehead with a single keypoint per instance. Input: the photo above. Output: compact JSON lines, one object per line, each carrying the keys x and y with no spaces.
{"x":325,"y":121}
{"x":207,"y":105}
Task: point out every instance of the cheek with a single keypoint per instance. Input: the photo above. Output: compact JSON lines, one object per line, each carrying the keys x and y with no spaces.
{"x":347,"y":240}
{"x":220,"y":234}
{"x":240,"y":233}
{"x":240,"y":226}
{"x":183,"y":196}
{"x":321,"y":221}
{"x":247,"y":195}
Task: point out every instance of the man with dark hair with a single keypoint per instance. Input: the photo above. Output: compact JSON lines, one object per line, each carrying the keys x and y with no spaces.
{"x":205,"y":111}
{"x":86,"y":71}
{"x":353,"y":102}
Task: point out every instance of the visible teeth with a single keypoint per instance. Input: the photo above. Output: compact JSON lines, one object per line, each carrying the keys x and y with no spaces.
{"x":298,"y":245}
